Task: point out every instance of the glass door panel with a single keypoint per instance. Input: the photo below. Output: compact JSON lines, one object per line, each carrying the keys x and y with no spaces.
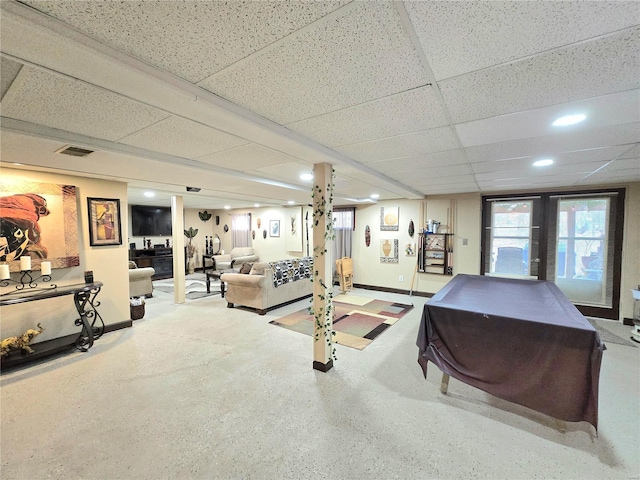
{"x":512,"y":239}
{"x":573,"y":239}
{"x":581,"y":249}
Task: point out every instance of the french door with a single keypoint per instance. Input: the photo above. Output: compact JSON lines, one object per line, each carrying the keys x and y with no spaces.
{"x":573,"y":239}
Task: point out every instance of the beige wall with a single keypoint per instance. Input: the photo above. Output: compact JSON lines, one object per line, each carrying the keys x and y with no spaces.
{"x":368,"y":270}
{"x":630,"y":249}
{"x":109,"y":265}
{"x":269,"y":249}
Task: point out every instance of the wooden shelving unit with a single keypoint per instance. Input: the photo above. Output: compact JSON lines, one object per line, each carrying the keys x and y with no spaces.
{"x":435,"y":253}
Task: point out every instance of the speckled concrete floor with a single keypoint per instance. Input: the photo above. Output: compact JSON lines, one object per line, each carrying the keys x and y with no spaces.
{"x":202,"y":391}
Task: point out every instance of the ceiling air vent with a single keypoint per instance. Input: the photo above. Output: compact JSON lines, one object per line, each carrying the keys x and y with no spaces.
{"x":74,"y":151}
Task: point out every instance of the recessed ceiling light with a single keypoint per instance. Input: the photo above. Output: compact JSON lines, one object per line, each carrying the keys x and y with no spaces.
{"x":256,"y":205}
{"x":545,"y":162}
{"x":149,"y":194}
{"x":567,"y":120}
{"x":291,"y":202}
{"x":17,"y":163}
{"x":227,"y":207}
{"x":307,"y":177}
{"x":375,"y":195}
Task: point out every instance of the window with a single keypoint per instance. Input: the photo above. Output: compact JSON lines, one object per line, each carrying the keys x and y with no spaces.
{"x":344,"y":223}
{"x":241,"y":230}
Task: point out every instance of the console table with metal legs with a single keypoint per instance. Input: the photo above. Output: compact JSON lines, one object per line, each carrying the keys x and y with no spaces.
{"x":84,"y":298}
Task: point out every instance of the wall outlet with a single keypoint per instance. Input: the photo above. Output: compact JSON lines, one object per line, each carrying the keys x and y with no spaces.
{"x":401,"y":279}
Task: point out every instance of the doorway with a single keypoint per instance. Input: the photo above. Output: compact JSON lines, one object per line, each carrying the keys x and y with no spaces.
{"x":573,"y":239}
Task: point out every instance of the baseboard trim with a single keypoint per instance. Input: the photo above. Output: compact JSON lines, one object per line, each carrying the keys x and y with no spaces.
{"x":627,"y":321}
{"x":41,"y":350}
{"x":393,"y":290}
{"x":323,"y":367}
{"x":52,"y":347}
{"x":118,"y":326}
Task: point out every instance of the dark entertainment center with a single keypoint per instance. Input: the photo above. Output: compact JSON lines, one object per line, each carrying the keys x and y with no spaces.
{"x":161,"y":259}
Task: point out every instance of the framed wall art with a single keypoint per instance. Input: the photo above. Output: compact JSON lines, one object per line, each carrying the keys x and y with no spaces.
{"x":293,"y":230}
{"x":274,"y":228}
{"x":39,"y":220}
{"x":104,"y":222}
{"x":389,"y":219}
{"x":389,"y":251}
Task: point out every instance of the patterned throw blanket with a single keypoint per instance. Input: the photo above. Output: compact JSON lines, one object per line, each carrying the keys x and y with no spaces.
{"x":290,"y":270}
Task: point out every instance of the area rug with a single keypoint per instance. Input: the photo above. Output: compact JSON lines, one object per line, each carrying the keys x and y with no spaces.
{"x":357,"y":322}
{"x":194,"y":289}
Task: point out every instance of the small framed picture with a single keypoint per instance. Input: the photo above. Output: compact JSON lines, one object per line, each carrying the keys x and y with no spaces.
{"x":104,"y":222}
{"x":274,"y":228}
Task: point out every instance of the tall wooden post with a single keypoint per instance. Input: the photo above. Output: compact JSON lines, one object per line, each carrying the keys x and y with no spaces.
{"x":322,"y":271}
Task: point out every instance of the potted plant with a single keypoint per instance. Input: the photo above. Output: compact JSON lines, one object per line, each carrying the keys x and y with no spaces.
{"x":191,"y":249}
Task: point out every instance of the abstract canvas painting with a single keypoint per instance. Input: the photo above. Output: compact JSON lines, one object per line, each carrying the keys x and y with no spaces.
{"x":39,"y":220}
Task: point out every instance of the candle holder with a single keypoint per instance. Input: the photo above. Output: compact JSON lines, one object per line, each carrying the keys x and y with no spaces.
{"x":27,"y":282}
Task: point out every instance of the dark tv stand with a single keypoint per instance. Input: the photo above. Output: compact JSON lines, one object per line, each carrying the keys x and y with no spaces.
{"x":161,"y":259}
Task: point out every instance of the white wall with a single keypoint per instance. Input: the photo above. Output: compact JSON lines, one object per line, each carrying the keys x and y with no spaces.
{"x":109,"y":265}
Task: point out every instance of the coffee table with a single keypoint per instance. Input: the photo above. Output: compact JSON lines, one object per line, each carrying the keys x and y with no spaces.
{"x":216,"y":274}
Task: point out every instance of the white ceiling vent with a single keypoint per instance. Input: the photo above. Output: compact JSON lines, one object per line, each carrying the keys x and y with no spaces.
{"x":74,"y":151}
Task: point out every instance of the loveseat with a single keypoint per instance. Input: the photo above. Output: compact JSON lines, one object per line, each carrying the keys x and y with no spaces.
{"x":234,"y":259}
{"x":269,"y":285}
{"x":140,"y":280}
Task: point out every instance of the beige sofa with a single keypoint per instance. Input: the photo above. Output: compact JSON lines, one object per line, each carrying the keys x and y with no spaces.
{"x":258,"y":289}
{"x":234,"y":259}
{"x":140,"y":280}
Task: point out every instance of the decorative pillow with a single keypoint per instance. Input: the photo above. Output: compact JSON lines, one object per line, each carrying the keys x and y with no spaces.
{"x":245,"y":268}
{"x":258,"y":268}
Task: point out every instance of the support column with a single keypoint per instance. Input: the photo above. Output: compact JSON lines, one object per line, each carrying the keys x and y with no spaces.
{"x":177,"y":235}
{"x":322,"y":271}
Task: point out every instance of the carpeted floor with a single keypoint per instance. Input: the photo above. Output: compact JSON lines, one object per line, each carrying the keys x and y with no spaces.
{"x":357,"y":321}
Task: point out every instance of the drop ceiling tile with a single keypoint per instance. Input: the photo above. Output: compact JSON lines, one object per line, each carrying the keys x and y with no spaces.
{"x":192,"y":40}
{"x":417,"y":109}
{"x":10,"y":70}
{"x":619,"y":176}
{"x":421,"y":182}
{"x":287,"y":172}
{"x":606,"y":65}
{"x":531,"y":182}
{"x":411,"y":176}
{"x":354,"y":58}
{"x":460,"y":37}
{"x":633,"y":152}
{"x":565,"y":158}
{"x":59,"y":102}
{"x":355,"y":189}
{"x":614,"y":109}
{"x":437,"y":189}
{"x":626,"y":134}
{"x":437,"y":159}
{"x":624,"y":164}
{"x":535,"y":172}
{"x":183,"y":138}
{"x":247,"y":157}
{"x":427,"y":141}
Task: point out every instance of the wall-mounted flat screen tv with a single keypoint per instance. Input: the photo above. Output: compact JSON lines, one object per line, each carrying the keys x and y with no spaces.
{"x":147,"y":221}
